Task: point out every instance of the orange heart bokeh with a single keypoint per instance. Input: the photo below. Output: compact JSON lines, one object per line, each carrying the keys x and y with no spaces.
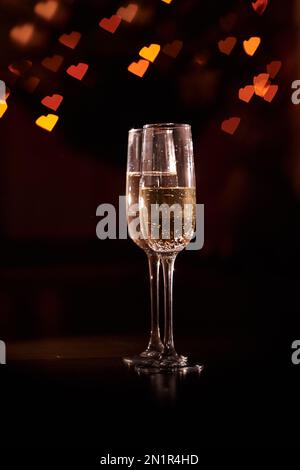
{"x":226,"y":45}
{"x":139,"y":68}
{"x":53,"y":63}
{"x":260,"y":6}
{"x":20,"y":67}
{"x":261,"y":84}
{"x":230,"y":125}
{"x":52,"y":102}
{"x":31,"y":84}
{"x":273,"y":68}
{"x":271,"y":93}
{"x":172,"y":49}
{"x":251,"y":45}
{"x":111,"y":24}
{"x":78,"y":71}
{"x":128,"y":13}
{"x":70,"y":40}
{"x":23,"y":34}
{"x":47,"y":10}
{"x":246,"y":94}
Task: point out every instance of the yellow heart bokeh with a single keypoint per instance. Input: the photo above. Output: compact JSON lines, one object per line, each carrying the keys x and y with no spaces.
{"x":150,"y":53}
{"x":3,"y":108}
{"x":47,"y":122}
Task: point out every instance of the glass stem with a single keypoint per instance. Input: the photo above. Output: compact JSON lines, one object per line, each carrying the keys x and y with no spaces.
{"x":155,"y":343}
{"x":168,"y":269}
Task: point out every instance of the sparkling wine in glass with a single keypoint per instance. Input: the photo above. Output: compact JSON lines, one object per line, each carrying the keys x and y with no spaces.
{"x":155,"y":345}
{"x":168,"y":211}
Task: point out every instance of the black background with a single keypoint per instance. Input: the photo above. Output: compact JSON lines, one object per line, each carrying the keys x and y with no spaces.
{"x":236,"y":300}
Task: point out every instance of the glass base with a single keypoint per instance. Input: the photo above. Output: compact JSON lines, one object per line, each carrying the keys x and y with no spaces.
{"x":188,"y":369}
{"x":145,"y":359}
{"x":170,"y":361}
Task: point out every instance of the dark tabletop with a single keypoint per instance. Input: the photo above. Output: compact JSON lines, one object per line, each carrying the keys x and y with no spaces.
{"x":76,"y":393}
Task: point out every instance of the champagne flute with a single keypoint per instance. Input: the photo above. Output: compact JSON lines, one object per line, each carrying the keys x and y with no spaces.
{"x":168,"y":210}
{"x":155,"y":345}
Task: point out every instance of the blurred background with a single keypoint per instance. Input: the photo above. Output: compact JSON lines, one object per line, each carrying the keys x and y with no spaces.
{"x":56,"y":278}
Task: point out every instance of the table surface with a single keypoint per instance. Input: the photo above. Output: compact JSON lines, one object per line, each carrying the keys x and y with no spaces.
{"x":77,"y":393}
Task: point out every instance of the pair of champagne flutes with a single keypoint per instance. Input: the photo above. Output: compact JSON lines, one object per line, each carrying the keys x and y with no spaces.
{"x":161,"y":213}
